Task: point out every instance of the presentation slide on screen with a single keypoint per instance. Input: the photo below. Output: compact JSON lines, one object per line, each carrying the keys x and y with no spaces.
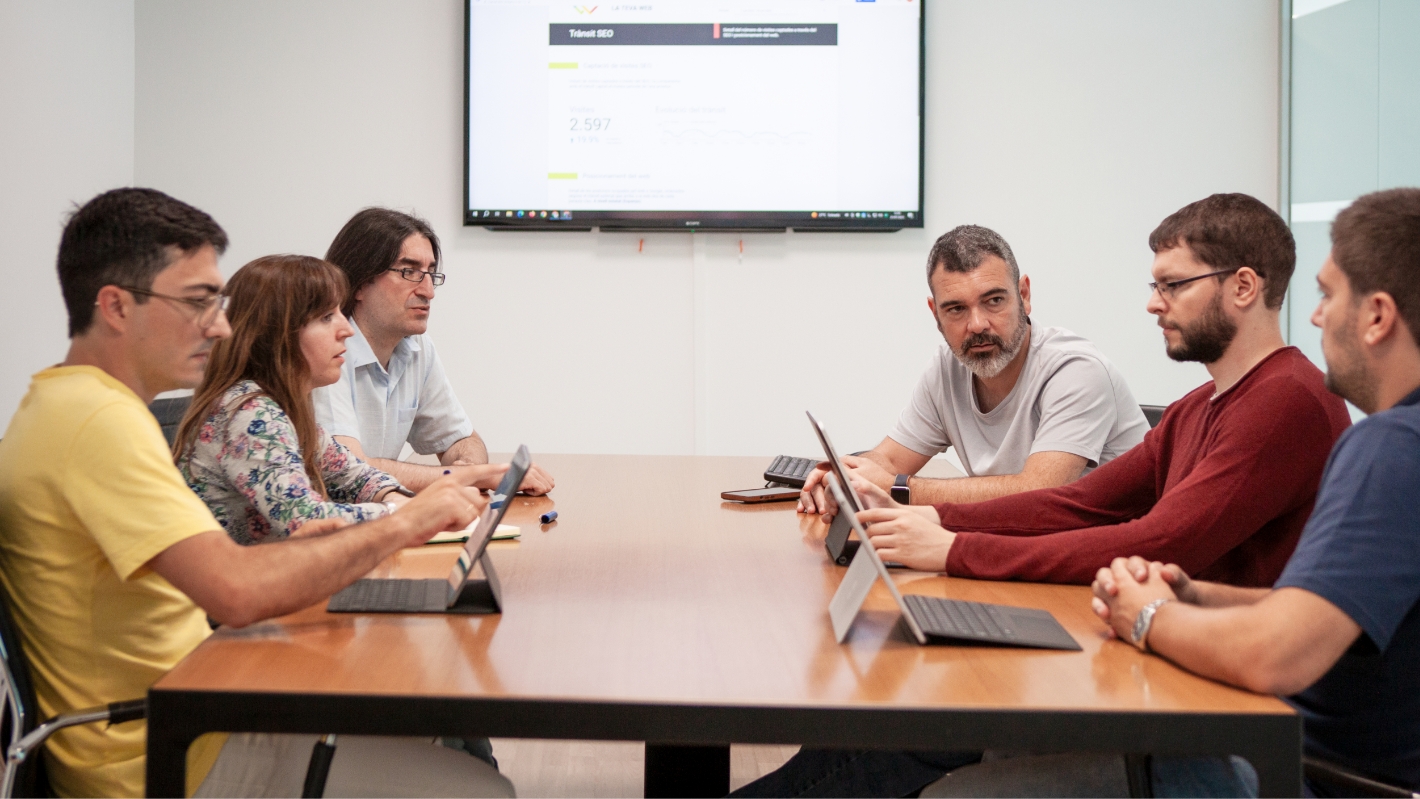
{"x":776,"y":105}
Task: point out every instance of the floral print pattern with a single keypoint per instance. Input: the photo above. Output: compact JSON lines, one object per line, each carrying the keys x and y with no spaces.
{"x":246,"y":465}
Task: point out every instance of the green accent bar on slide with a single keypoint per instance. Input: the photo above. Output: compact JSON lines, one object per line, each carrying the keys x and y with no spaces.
{"x":562,"y":65}
{"x":561,"y":175}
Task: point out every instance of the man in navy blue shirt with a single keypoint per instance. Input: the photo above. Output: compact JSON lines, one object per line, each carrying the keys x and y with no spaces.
{"x":1339,"y":633}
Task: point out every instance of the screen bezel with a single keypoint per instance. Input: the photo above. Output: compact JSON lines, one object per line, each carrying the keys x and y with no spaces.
{"x":833,"y":462}
{"x":488,"y":522}
{"x":729,"y":221}
{"x":867,"y":549}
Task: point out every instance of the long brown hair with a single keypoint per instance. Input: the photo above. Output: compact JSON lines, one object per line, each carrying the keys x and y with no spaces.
{"x":272,"y":298}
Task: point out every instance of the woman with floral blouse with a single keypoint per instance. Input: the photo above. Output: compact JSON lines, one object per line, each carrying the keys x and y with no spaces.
{"x":249,"y":445}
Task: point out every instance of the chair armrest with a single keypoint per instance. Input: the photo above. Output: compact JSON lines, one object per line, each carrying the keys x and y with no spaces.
{"x":1349,"y":782}
{"x":132,"y":710}
{"x":115,"y":713}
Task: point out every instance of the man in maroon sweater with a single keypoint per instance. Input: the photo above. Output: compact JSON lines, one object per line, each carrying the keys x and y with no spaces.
{"x":1221,"y":487}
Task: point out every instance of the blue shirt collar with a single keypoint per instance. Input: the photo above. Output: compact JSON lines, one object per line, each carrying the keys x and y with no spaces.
{"x":357,"y":349}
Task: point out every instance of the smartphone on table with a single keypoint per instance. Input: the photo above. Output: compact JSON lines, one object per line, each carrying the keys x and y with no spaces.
{"x":752,"y":495}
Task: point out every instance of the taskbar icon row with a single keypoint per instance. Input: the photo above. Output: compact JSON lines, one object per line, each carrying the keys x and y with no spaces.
{"x":862,"y":215}
{"x":563,"y":215}
{"x":551,"y":215}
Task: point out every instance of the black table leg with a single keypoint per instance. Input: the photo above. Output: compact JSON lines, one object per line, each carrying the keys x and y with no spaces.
{"x":690,"y":771}
{"x":166,"y":767}
{"x":1277,"y":757}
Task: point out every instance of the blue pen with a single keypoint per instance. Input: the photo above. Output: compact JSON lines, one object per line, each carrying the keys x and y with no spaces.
{"x":549,"y":517}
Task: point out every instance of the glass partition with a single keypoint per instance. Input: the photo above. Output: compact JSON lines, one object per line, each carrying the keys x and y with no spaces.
{"x":1354,"y":124}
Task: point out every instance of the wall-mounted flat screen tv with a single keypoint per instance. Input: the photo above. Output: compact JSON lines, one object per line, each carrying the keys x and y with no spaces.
{"x":694,"y":114}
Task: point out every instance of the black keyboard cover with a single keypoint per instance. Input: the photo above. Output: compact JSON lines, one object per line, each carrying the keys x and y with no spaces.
{"x":995,"y":624}
{"x":391,"y":596}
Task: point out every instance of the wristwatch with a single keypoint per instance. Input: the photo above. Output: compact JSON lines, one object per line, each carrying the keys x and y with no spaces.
{"x":1140,"y":634}
{"x":901,"y":494}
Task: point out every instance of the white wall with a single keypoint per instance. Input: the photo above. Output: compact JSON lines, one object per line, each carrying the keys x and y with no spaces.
{"x":66,"y":134}
{"x":1072,"y":128}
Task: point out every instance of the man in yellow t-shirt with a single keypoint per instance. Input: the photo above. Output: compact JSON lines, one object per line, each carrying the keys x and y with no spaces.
{"x":111,"y":565}
{"x":89,"y":497}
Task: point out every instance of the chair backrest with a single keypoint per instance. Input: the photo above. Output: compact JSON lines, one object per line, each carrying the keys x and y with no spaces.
{"x":169,"y":414}
{"x":1153,"y":413}
{"x":19,"y":710}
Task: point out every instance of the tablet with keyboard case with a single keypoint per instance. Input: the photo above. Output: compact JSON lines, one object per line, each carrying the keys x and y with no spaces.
{"x":456,"y":594}
{"x":934,"y":617}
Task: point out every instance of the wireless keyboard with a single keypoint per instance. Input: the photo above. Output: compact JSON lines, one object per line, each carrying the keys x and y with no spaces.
{"x":790,"y":471}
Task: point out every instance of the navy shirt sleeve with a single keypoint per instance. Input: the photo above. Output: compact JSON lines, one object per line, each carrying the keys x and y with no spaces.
{"x":1360,"y":550}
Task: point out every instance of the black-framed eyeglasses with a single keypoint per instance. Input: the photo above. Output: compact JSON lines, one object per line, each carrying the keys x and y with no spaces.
{"x":414,"y":275}
{"x":1166,"y":288}
{"x":207,"y":307}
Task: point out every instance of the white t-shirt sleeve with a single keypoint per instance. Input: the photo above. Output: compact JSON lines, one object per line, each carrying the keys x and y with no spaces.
{"x":1077,"y":410}
{"x":921,"y":428}
{"x":335,"y":406}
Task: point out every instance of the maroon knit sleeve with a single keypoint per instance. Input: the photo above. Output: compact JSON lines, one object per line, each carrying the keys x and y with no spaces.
{"x":1259,"y":466}
{"x":1121,"y":489}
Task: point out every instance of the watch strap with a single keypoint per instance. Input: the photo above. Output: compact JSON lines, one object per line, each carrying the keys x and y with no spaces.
{"x":1144,"y":622}
{"x":900,"y":492}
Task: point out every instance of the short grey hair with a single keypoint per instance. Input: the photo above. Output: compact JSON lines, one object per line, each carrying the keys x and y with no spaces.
{"x":963,"y":248}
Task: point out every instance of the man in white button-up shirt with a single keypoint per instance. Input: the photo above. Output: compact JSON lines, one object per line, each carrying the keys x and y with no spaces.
{"x":392,"y":388}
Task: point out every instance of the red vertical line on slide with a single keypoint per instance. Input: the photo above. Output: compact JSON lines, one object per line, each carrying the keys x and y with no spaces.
{"x":717,"y":30}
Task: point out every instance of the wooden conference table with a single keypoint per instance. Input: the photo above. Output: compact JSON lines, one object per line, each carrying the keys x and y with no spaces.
{"x":652,"y":611}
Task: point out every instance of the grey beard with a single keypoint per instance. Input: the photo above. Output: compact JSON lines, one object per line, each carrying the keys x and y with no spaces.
{"x":990,"y":366}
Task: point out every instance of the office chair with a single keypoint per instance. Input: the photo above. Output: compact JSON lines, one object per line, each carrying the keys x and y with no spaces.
{"x":169,"y":414}
{"x":1339,"y":781}
{"x":1153,"y":413}
{"x":20,"y":727}
{"x":23,"y":734}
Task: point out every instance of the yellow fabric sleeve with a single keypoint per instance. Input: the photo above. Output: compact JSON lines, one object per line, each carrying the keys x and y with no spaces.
{"x":139,"y":506}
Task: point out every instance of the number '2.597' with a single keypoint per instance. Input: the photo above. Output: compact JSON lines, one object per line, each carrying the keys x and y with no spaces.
{"x":590,"y":123}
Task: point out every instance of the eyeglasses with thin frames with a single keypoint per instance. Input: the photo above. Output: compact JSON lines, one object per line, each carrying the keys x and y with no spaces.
{"x":207,"y":307}
{"x":414,"y":275}
{"x":1166,"y":288}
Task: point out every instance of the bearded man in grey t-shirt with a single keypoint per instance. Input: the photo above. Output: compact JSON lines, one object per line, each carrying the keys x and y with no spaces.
{"x":1023,"y":407}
